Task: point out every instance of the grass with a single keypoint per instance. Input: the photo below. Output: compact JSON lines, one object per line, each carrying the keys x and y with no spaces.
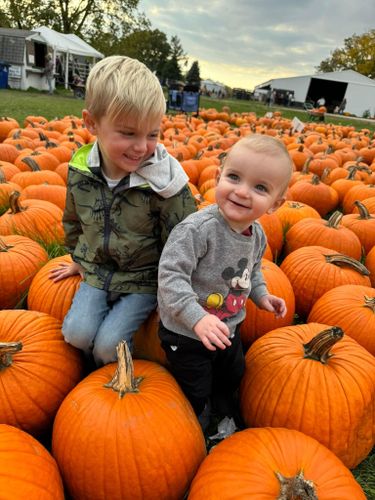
{"x":18,"y":104}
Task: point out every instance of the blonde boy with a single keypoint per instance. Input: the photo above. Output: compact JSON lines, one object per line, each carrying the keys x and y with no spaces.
{"x":209,"y":267}
{"x":125,"y":194}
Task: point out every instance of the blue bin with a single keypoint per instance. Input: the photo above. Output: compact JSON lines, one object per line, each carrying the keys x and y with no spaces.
{"x":4,"y":75}
{"x":190,"y":102}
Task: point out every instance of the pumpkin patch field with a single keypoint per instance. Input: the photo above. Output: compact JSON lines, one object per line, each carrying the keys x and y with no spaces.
{"x":126,"y":431}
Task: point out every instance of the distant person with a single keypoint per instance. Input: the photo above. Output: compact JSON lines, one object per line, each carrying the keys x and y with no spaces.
{"x":342,"y":106}
{"x":320,"y":102}
{"x":49,"y":72}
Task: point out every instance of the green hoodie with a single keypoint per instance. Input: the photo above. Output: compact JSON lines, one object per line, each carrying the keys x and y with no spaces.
{"x":117,"y":235}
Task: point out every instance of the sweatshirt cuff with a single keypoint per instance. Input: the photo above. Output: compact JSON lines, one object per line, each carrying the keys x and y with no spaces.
{"x":257,"y":293}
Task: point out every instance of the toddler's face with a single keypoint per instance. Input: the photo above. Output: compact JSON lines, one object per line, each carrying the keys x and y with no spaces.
{"x":250,"y":185}
{"x":124,"y":146}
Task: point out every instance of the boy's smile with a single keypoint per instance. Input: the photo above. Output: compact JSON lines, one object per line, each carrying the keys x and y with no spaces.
{"x":124,"y":144}
{"x":250,"y":185}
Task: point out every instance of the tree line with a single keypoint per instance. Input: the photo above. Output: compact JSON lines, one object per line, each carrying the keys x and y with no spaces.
{"x":110,"y":26}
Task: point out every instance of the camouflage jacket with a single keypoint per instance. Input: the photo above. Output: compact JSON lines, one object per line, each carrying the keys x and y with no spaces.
{"x":117,"y":235}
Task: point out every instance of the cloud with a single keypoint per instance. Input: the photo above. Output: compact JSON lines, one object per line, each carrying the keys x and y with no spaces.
{"x":246,"y":42}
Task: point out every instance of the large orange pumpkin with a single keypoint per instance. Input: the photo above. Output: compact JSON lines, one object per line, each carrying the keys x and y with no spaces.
{"x":20,"y":259}
{"x":326,"y":233}
{"x":133,"y":437}
{"x":273,"y":463}
{"x":314,"y":270}
{"x":27,"y":469}
{"x":352,"y":308}
{"x":311,"y":378}
{"x":37,"y":219}
{"x":53,"y":298}
{"x":37,"y":369}
{"x":257,"y":321}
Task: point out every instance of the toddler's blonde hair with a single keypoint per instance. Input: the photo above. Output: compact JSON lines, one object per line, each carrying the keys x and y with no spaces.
{"x":266,"y":144}
{"x":119,"y":86}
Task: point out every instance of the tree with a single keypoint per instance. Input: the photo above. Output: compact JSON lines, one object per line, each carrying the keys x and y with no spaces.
{"x":91,"y":19}
{"x":171,"y":70}
{"x":148,"y":46}
{"x":357,"y":54}
{"x":193,"y":75}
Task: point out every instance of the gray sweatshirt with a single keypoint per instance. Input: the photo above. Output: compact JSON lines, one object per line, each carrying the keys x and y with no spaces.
{"x":206,"y":267}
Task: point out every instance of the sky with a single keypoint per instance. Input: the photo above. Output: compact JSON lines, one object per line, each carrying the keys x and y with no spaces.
{"x":243,"y":43}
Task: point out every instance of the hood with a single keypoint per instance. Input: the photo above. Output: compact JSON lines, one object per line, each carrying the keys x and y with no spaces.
{"x":162,"y":172}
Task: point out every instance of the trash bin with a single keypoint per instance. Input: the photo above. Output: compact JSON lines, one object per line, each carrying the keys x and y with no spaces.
{"x":4,"y":71}
{"x":190,"y":102}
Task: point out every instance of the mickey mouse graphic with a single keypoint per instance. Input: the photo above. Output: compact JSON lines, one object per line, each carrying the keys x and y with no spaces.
{"x":239,"y":282}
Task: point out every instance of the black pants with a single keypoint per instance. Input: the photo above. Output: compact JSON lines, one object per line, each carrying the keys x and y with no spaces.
{"x":204,"y":374}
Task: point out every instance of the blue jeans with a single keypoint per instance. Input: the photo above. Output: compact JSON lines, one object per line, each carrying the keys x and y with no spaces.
{"x":96,"y":327}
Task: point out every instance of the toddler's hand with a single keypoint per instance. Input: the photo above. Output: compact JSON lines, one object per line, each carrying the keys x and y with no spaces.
{"x":65,"y":270}
{"x":212,"y":332}
{"x":273,"y":304}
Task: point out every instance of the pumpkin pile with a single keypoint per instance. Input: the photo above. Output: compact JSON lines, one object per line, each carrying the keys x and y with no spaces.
{"x":126,"y":430}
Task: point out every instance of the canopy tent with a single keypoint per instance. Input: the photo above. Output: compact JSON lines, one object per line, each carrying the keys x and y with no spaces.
{"x":70,"y":45}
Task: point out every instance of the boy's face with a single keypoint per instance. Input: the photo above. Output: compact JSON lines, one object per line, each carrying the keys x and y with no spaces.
{"x":250,"y":185}
{"x":124,"y":146}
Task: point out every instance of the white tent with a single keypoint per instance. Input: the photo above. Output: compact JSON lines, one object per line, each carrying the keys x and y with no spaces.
{"x":68,"y":45}
{"x":357,"y":89}
{"x":61,"y":42}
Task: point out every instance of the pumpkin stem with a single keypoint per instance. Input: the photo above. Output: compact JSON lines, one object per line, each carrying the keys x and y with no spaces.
{"x":319,"y":347}
{"x":296,"y":487}
{"x":3,"y":246}
{"x":14,"y":202}
{"x":31,"y":163}
{"x":343,"y":260}
{"x":7,"y":349}
{"x":335,"y":219}
{"x":370,"y":303}
{"x":363,"y":212}
{"x":123,"y":380}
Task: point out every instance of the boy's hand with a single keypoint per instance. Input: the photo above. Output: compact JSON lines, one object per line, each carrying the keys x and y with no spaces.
{"x":64,"y":271}
{"x":212,"y":332}
{"x":273,"y":304}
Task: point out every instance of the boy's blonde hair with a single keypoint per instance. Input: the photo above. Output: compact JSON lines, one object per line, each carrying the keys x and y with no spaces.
{"x":119,"y":86}
{"x":261,"y":143}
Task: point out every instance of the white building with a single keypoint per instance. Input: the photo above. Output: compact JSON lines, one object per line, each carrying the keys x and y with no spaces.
{"x":25,"y":52}
{"x":357,"y":89}
{"x":212,"y":87}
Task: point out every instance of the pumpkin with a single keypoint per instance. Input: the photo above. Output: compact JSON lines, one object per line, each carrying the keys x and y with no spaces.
{"x":314,"y":270}
{"x":53,"y":298}
{"x":257,"y":321}
{"x":360,"y":192}
{"x":37,"y":219}
{"x":146,"y":342}
{"x":27,"y":469}
{"x":20,"y":259}
{"x":363,"y":225}
{"x":370,"y":265}
{"x":314,"y":379}
{"x":8,"y":153}
{"x":48,"y":192}
{"x":326,"y":233}
{"x":37,"y":366}
{"x":352,"y":308}
{"x":134,"y":432}
{"x":291,"y":212}
{"x":318,"y":195}
{"x":274,"y":231}
{"x":273,"y":463}
{"x":25,"y":179}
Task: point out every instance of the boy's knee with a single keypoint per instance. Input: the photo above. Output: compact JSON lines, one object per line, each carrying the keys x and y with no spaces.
{"x":77,"y":335}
